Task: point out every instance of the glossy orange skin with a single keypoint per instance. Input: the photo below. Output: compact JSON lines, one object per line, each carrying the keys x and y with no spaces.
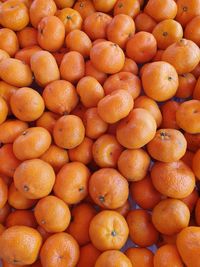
{"x":169,"y":110}
{"x":55,"y":247}
{"x":90,"y":70}
{"x":187,"y":10}
{"x":128,"y":7}
{"x":6,"y":91}
{"x":3,"y":193}
{"x":108,"y":230}
{"x":51,"y":33}
{"x":62,"y":3}
{"x":40,"y":9}
{"x":130,"y":66}
{"x":195,"y":165}
{"x":144,"y":22}
{"x":123,"y":80}
{"x":34,"y":178}
{"x":85,"y":8}
{"x":9,"y":41}
{"x":196,"y":92}
{"x":144,"y":193}
{"x":108,"y":188}
{"x":3,"y":55}
{"x":3,"y":110}
{"x":27,"y":37}
{"x":191,"y":31}
{"x":77,"y":182}
{"x":47,"y":120}
{"x":86,"y":250}
{"x":142,"y":231}
{"x":170,"y":216}
{"x":140,"y":42}
{"x":82,"y":215}
{"x":142,"y":257}
{"x":112,"y":258}
{"x":26,"y":53}
{"x":186,"y":86}
{"x":60,"y":97}
{"x":120,"y":29}
{"x":21,"y":217}
{"x":182,"y":183}
{"x":192,"y":200}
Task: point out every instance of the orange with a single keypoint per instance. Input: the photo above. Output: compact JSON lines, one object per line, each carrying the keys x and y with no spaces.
{"x":60,"y":97}
{"x":90,"y":70}
{"x":123,"y":80}
{"x":141,"y":133}
{"x":195,"y":164}
{"x":20,"y":244}
{"x":78,"y":41}
{"x":170,"y":216}
{"x":27,"y":104}
{"x":142,"y":231}
{"x":141,"y":47}
{"x":82,"y":215}
{"x":108,"y":230}
{"x":167,"y":9}
{"x":21,"y":217}
{"x":71,"y":19}
{"x":168,"y":145}
{"x":144,"y":22}
{"x":51,"y":33}
{"x":9,"y":41}
{"x":72,"y":67}
{"x":128,"y":7}
{"x":15,"y":72}
{"x":3,"y":55}
{"x":189,"y":253}
{"x":169,"y":109}
{"x":3,"y":193}
{"x":64,"y":3}
{"x":94,"y":125}
{"x":40,"y":9}
{"x":34,"y":178}
{"x":197,"y":212}
{"x":68,"y":131}
{"x":106,"y":151}
{"x":187,"y":116}
{"x":167,"y":32}
{"x":167,"y":256}
{"x":174,"y":179}
{"x":95,"y":25}
{"x":14,"y":15}
{"x":124,"y":209}
{"x":85,"y":8}
{"x":52,"y":214}
{"x":184,"y":55}
{"x":112,"y":258}
{"x":100,"y":5}
{"x":44,"y":67}
{"x":196,"y":71}
{"x":142,"y":257}
{"x":191,"y":31}
{"x":120,"y":29}
{"x":8,"y":161}
{"x":160,"y":80}
{"x":188,"y":157}
{"x":196,"y":92}
{"x":56,"y":157}
{"x":90,"y":91}
{"x":108,"y":188}
{"x":130,"y":66}
{"x":84,"y":260}
{"x":150,"y":105}
{"x":17,"y":200}
{"x":47,"y":120}
{"x":26,"y":53}
{"x":72,"y":182}
{"x":32,"y":143}
{"x":133,"y":164}
{"x":3,"y":110}
{"x":27,"y":37}
{"x":186,"y":86}
{"x":59,"y":250}
{"x":4,"y":212}
{"x":187,"y":10}
{"x":144,"y":193}
{"x":115,"y":106}
{"x":157,"y":57}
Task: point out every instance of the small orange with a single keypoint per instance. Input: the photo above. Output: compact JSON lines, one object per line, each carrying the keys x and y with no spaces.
{"x":187,"y":10}
{"x":3,"y":110}
{"x":72,"y":182}
{"x":26,"y":53}
{"x":52,"y":214}
{"x":142,"y":257}
{"x":186,"y":86}
{"x":108,"y":188}
{"x":130,"y":66}
{"x":85,"y":8}
{"x":144,"y":22}
{"x":90,"y":70}
{"x":3,"y":55}
{"x":27,"y":37}
{"x":108,"y":230}
{"x":21,"y":217}
{"x":128,"y":7}
{"x":100,"y":5}
{"x":112,"y":258}
{"x":3,"y":193}
{"x":191,"y":31}
{"x":82,"y":215}
{"x":34,"y":178}
{"x":188,"y":158}
{"x":196,"y":92}
{"x":195,"y":164}
{"x":63,"y":3}
{"x":169,"y":109}
{"x":84,"y":260}
{"x":47,"y":120}
{"x":9,"y":41}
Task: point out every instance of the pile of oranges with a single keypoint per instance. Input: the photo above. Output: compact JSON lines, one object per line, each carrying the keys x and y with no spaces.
{"x":99,"y":109}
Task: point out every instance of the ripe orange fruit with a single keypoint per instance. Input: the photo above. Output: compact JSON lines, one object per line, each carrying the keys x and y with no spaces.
{"x":189,"y":253}
{"x":4,"y":212}
{"x":27,"y":37}
{"x":100,"y":5}
{"x":195,"y":164}
{"x":9,"y":41}
{"x":130,"y":66}
{"x":141,"y":133}
{"x":90,"y":70}
{"x":108,"y":188}
{"x":85,"y":8}
{"x":52,"y":214}
{"x":21,"y":217}
{"x":160,"y":80}
{"x":142,"y":257}
{"x":174,"y":179}
{"x":82,"y":215}
{"x":108,"y":230}
{"x":187,"y":10}
{"x":107,"y":57}
{"x":167,"y":255}
{"x":26,"y":53}
{"x":84,"y":260}
{"x":60,"y":249}
{"x":186,"y":86}
{"x":47,"y":120}
{"x":128,"y":7}
{"x":64,"y":3}
{"x":112,"y":258}
{"x":191,"y":31}
{"x":169,"y":109}
{"x":34,"y":178}
{"x":20,"y":244}
{"x":3,"y":110}
{"x":144,"y":22}
{"x":133,"y":164}
{"x":144,"y":193}
{"x":27,"y":104}
{"x":3,"y":193}
{"x":72,"y":182}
